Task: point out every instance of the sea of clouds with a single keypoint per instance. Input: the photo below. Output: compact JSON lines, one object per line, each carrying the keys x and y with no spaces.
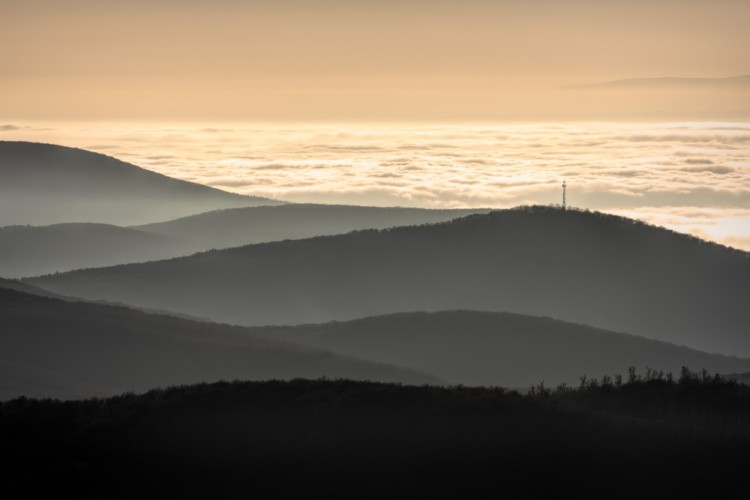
{"x":692,"y":177}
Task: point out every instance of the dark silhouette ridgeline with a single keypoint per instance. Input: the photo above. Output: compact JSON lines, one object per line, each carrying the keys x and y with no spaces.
{"x":651,"y":436}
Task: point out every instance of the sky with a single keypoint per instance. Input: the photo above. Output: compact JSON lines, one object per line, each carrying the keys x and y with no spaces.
{"x":416,"y":103}
{"x":363,"y":60}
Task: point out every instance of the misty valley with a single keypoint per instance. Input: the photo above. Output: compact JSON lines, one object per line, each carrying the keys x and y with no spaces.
{"x":367,"y":249}
{"x":164,"y":338}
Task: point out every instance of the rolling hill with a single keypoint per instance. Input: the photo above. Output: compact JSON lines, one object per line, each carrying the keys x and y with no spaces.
{"x":499,"y":349}
{"x":32,"y":250}
{"x":35,"y":250}
{"x":56,"y":348}
{"x":244,"y":226}
{"x":607,"y":271}
{"x":20,"y":286}
{"x":48,"y":184}
{"x":71,"y":348}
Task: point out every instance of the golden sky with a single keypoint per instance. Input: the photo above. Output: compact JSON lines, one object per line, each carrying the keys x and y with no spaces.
{"x":366,"y":60}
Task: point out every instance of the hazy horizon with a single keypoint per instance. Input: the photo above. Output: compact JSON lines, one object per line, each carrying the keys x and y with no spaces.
{"x":413,"y":103}
{"x":691,"y":177}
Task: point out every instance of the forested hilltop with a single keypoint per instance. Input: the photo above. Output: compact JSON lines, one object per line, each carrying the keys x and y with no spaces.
{"x":644,"y":436}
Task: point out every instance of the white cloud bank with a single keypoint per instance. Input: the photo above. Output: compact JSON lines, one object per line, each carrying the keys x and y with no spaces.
{"x":693,"y":177}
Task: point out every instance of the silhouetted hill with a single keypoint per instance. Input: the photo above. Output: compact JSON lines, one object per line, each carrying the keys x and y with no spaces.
{"x":50,"y":347}
{"x":35,"y":250}
{"x":340,"y":439}
{"x":606,"y":271}
{"x":47,"y":184}
{"x":20,"y":286}
{"x":500,"y":349}
{"x":244,"y":226}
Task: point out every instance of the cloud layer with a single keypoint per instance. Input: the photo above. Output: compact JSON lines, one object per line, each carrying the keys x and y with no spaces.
{"x":693,"y":177}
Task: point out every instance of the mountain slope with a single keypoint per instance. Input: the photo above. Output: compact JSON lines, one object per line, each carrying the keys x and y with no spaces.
{"x":35,"y":250}
{"x":501,"y":349}
{"x":602,"y":270}
{"x":47,"y":184}
{"x":50,"y":347}
{"x":244,"y":226}
{"x":20,"y":286}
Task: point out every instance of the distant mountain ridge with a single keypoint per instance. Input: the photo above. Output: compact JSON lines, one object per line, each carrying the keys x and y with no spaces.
{"x":29,"y":250}
{"x":249,"y":225}
{"x":48,"y":184}
{"x":607,"y":271}
{"x":20,"y":286}
{"x":35,"y":250}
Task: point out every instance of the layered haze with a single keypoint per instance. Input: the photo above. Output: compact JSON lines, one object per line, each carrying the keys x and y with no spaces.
{"x":643,"y":107}
{"x":693,"y":177}
{"x":490,"y":193}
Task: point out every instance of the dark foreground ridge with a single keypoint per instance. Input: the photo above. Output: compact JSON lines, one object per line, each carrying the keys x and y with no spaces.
{"x":642,"y":437}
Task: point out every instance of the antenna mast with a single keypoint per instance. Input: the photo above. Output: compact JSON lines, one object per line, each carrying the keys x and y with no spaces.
{"x":565,"y":201}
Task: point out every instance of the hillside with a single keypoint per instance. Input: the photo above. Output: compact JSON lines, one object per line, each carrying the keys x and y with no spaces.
{"x":20,"y":286}
{"x":454,"y":347}
{"x":643,"y":438}
{"x":498,"y":349}
{"x":48,"y":184}
{"x":35,"y":250}
{"x":244,"y":226}
{"x":50,"y":347}
{"x":606,"y":271}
